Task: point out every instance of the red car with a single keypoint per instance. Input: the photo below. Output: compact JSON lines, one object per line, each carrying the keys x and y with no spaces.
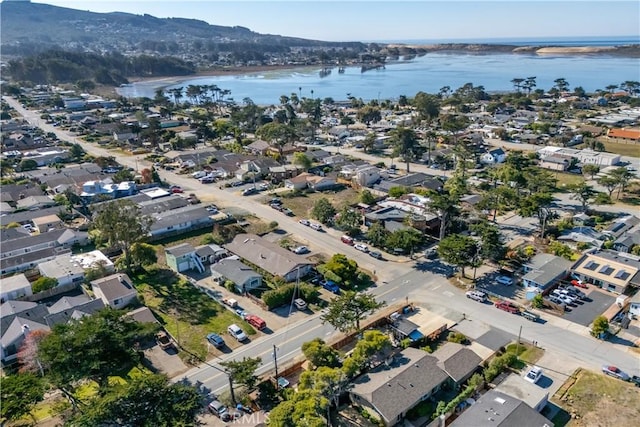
{"x":579,"y":284}
{"x":507,"y":306}
{"x":176,"y":190}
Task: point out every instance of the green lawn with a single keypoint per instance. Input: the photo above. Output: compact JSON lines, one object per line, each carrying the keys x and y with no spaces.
{"x":187,"y":313}
{"x":526,"y":352}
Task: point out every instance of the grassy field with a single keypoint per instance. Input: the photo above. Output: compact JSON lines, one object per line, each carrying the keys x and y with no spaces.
{"x":186,"y":313}
{"x":598,"y":400}
{"x":303,"y":204}
{"x":622,"y":149}
{"x":567,"y":179}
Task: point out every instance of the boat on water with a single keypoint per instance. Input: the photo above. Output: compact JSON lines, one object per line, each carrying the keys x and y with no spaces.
{"x":341,"y":70}
{"x":324,"y":72}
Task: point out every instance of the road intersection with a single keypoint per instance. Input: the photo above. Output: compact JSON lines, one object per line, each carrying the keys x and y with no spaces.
{"x":396,"y":282}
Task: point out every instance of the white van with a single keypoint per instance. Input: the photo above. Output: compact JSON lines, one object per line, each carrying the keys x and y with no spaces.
{"x":300,"y":304}
{"x":199,"y":174}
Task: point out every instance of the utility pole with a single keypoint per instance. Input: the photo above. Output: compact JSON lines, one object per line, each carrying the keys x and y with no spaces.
{"x":275,"y":363}
{"x":518,"y":343}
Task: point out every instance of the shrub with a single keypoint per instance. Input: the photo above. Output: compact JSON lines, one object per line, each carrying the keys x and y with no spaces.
{"x":43,"y":283}
{"x":284,"y":294}
{"x":537,"y":301}
{"x":457,"y":337}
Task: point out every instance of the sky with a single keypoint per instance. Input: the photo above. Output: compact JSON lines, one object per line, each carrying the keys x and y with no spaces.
{"x":360,"y":20}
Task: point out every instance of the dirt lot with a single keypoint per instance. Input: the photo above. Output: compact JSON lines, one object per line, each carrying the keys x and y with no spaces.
{"x":598,"y":400}
{"x":303,"y":204}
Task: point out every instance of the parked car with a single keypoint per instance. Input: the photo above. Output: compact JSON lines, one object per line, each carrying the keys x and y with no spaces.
{"x":375,"y":254}
{"x":263,"y":187}
{"x":361,"y":247}
{"x":249,"y":191}
{"x":300,"y":304}
{"x":217,"y":408}
{"x":635,"y":380}
{"x":534,"y":374}
{"x":276,"y":207}
{"x":287,"y":211}
{"x":477,"y":296}
{"x":176,"y":189}
{"x":504,"y":280}
{"x":215,"y":340}
{"x":207,"y":179}
{"x":163,"y":340}
{"x":275,"y":201}
{"x":530,"y":316}
{"x":331,"y":286}
{"x":236,"y":332}
{"x":300,"y":250}
{"x":615,"y":372}
{"x":579,"y":284}
{"x":346,"y":239}
{"x":315,"y":226}
{"x":255,"y":321}
{"x":199,"y":174}
{"x":507,"y":306}
{"x":305,"y":222}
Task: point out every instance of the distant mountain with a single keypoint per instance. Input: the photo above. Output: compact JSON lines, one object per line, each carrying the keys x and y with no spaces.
{"x":27,"y":28}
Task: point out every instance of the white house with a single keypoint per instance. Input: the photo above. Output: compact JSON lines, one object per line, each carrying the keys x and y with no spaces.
{"x":63,"y":268}
{"x":15,"y":287}
{"x":494,"y":156}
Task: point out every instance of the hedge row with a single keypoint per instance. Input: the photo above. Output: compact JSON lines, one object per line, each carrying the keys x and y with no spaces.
{"x":284,"y":294}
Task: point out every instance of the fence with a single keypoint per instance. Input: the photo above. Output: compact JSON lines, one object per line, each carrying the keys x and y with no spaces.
{"x":52,"y":292}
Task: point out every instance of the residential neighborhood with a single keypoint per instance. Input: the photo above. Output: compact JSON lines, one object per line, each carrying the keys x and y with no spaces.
{"x":244,"y":233}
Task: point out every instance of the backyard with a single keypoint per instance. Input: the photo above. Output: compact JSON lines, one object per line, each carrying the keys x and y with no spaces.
{"x":591,"y":398}
{"x":187,"y":313}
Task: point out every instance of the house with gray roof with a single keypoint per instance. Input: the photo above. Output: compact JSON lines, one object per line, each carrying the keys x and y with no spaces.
{"x":14,"y":287}
{"x":270,"y":256}
{"x":72,"y":308}
{"x":35,"y":202}
{"x":533,"y":395}
{"x":621,"y":225}
{"x":181,"y":220}
{"x":116,"y":290}
{"x":610,"y":270}
{"x":496,"y":409}
{"x":458,"y":361}
{"x":583,"y":235}
{"x":17,"y":319}
{"x":390,"y":390}
{"x":25,"y":217}
{"x":545,"y":270}
{"x":64,"y":269}
{"x":161,"y":204}
{"x":243,"y":277}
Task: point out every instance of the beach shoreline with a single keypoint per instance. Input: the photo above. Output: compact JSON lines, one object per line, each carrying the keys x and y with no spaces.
{"x":216,"y":72}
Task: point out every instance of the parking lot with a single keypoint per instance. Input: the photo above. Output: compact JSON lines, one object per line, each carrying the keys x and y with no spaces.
{"x":584,"y":312}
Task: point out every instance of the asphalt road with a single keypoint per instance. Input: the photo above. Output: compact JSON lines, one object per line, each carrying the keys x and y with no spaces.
{"x":396,"y":281}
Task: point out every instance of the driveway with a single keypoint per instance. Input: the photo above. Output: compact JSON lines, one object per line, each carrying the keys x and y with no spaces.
{"x":597,"y":303}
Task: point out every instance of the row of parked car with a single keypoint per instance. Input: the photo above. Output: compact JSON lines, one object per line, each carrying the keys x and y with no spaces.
{"x":565,"y":295}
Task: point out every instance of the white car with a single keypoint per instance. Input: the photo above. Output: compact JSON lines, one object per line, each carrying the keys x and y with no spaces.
{"x":315,"y":226}
{"x":504,"y":280}
{"x":361,"y":247}
{"x":534,"y":374}
{"x":305,"y":222}
{"x":300,"y":250}
{"x":477,"y":296}
{"x":236,"y":332}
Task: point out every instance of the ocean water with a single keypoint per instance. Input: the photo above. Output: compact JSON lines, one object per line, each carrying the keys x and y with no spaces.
{"x":427,"y":73}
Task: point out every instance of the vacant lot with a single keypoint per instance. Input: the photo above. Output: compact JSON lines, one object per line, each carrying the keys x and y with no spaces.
{"x":598,"y":400}
{"x":303,"y":204}
{"x":187,"y":313}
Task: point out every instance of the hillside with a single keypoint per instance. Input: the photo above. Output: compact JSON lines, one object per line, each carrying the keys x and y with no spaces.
{"x":27,"y":28}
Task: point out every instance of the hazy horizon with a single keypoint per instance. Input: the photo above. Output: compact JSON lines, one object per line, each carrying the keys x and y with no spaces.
{"x":359,"y":20}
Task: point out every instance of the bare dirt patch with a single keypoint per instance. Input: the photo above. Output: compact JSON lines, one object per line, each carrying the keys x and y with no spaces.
{"x":598,"y":400}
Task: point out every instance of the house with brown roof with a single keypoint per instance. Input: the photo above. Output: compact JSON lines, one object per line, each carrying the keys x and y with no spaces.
{"x":116,"y":290}
{"x":610,"y":270}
